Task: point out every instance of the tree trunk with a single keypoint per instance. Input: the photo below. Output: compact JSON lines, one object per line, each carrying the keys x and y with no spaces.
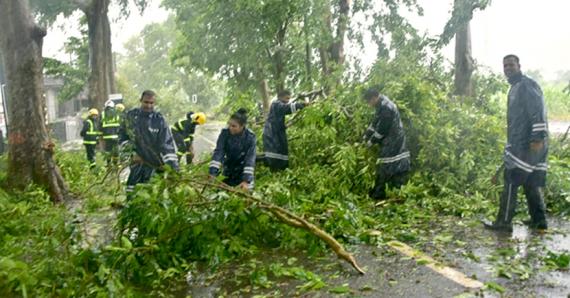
{"x":324,"y":52}
{"x":464,"y":65}
{"x":101,"y":78}
{"x":337,"y":47}
{"x":265,"y":96}
{"x":30,"y":151}
{"x":308,"y":54}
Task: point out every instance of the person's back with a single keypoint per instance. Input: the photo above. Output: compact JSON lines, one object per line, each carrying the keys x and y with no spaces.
{"x":386,"y":129}
{"x":275,"y":145}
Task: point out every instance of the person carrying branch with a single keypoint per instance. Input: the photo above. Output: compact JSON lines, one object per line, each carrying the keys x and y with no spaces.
{"x":235,"y":151}
{"x":183,"y":133}
{"x":387,"y":130}
{"x":276,"y":151}
{"x":148,"y":133}
{"x":526,"y":151}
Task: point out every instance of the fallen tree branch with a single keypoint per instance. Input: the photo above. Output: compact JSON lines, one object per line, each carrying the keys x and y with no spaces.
{"x":291,"y":219}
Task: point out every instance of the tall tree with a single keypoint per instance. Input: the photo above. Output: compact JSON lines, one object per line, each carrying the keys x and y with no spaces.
{"x":146,"y":64}
{"x":246,"y":42}
{"x":332,"y":50}
{"x":101,"y":80}
{"x":30,"y":155}
{"x":267,"y":45}
{"x":459,"y":26}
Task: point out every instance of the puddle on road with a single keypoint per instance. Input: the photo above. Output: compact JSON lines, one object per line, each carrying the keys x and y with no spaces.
{"x":279,"y":273}
{"x":514,"y":261}
{"x":464,"y":246}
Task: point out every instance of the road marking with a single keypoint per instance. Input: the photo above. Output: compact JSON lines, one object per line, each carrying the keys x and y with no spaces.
{"x":434,"y":265}
{"x":207,"y":140}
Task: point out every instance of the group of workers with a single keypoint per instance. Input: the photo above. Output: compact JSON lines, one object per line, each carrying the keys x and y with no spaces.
{"x":155,"y":144}
{"x":107,"y":129}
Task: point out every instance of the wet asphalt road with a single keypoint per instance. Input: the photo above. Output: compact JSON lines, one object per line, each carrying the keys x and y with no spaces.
{"x":509,"y":261}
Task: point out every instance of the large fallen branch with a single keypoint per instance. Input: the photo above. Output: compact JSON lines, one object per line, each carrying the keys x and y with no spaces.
{"x":288,"y":218}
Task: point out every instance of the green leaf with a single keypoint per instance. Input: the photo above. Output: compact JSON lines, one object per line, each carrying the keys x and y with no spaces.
{"x":340,"y":289}
{"x":495,"y":287}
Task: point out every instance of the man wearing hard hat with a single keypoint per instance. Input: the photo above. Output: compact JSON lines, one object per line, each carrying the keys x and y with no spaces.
{"x":110,"y":124}
{"x":183,"y":133}
{"x":90,"y":134}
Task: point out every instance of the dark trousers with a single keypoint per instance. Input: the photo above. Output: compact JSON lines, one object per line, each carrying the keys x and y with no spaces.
{"x":274,"y":164}
{"x":90,"y":150}
{"x":533,"y":192}
{"x":384,"y":180}
{"x":140,"y":173}
{"x":112,"y":150}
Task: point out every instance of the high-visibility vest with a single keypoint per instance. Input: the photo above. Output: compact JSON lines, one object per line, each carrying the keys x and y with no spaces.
{"x":179,"y":127}
{"x":91,"y":134}
{"x":110,"y":126}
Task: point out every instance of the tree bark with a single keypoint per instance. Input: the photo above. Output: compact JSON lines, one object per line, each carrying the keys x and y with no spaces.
{"x":101,"y":78}
{"x":324,"y":52}
{"x":265,"y":96}
{"x":333,"y":55}
{"x":308,"y":53}
{"x":464,"y":64}
{"x":30,"y":151}
{"x":337,"y":47}
{"x":278,"y":58}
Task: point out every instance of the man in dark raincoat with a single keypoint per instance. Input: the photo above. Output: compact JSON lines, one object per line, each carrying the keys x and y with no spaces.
{"x":149,"y":134}
{"x":275,"y":146}
{"x":526,"y":150}
{"x":386,"y":129}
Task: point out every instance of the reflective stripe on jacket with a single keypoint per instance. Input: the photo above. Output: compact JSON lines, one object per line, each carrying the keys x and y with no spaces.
{"x":89,"y":132}
{"x":110,"y":124}
{"x":236,"y":154}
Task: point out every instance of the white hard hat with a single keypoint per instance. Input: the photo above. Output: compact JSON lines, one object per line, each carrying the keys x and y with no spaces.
{"x":109,"y":103}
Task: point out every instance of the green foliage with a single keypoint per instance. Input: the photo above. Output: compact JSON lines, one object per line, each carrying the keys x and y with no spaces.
{"x":557,"y":261}
{"x":47,"y":11}
{"x":461,"y":15}
{"x":74,"y":73}
{"x":147,"y":65}
{"x":36,"y":245}
{"x":557,"y":101}
{"x":217,"y":37}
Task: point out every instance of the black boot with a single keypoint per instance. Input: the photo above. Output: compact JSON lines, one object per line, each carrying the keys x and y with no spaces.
{"x":498,"y":226}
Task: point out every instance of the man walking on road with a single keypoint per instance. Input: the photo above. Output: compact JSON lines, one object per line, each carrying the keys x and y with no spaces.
{"x":526,"y":150}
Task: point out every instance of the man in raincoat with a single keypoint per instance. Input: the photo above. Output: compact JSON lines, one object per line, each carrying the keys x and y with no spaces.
{"x":386,"y":129}
{"x":275,"y":145}
{"x":150,"y":136}
{"x":526,"y":150}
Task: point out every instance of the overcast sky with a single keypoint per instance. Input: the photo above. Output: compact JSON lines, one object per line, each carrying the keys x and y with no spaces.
{"x":538,"y":33}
